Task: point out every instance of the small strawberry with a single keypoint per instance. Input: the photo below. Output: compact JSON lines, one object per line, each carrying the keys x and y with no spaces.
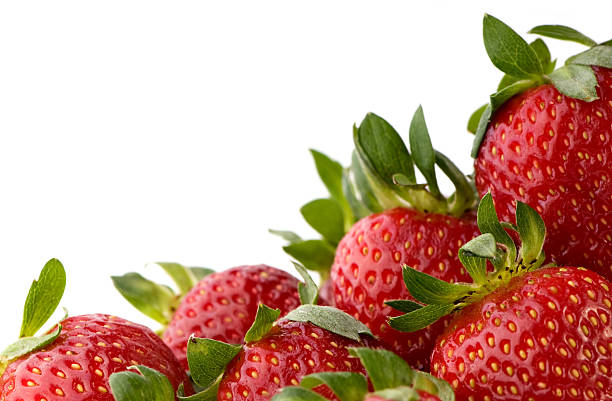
{"x":309,"y":339}
{"x":402,"y":384}
{"x":75,"y":360}
{"x":518,"y":333}
{"x":220,"y":306}
{"x":546,"y":139}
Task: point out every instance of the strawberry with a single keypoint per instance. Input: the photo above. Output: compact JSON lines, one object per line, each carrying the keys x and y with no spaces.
{"x":309,"y":339}
{"x":403,"y":384}
{"x":519,"y":332}
{"x":220,"y":306}
{"x":75,"y":360}
{"x":549,"y":141}
{"x":400,"y":222}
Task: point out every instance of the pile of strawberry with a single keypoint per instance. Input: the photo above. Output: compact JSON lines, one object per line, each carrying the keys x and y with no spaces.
{"x":500,"y":291}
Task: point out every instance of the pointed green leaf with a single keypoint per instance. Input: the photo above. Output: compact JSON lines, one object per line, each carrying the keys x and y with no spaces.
{"x":200,"y":272}
{"x":288,"y":236}
{"x":543,"y":54}
{"x":209,"y":394}
{"x":488,"y":222}
{"x":382,"y":149}
{"x":326,"y":217}
{"x":350,"y":189}
{"x":532,"y":232}
{"x":576,"y":81}
{"x":156,"y":301}
{"x":606,"y":43}
{"x":403,"y":305}
{"x":430,"y":290}
{"x":315,"y":255}
{"x":208,"y":358}
{"x":472,"y":125}
{"x":330,"y":319}
{"x":264,"y":320}
{"x":508,"y":51}
{"x":474,"y":254}
{"x":148,"y":385}
{"x":481,"y":130}
{"x":25,"y":345}
{"x":377,"y":363}
{"x":598,"y":55}
{"x":564,"y":33}
{"x":431,"y":384}
{"x":331,"y":173}
{"x":43,"y":298}
{"x":464,"y":197}
{"x":501,"y":97}
{"x":403,"y":393}
{"x":308,"y":290}
{"x":347,"y":386}
{"x":298,"y":394}
{"x":367,"y":188}
{"x":422,"y":150}
{"x":182,"y":276}
{"x":420,"y":318}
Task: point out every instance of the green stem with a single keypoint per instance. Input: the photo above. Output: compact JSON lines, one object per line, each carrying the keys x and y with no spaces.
{"x":465,"y":194}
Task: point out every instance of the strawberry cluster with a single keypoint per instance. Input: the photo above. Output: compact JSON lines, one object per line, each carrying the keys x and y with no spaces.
{"x":500,"y":291}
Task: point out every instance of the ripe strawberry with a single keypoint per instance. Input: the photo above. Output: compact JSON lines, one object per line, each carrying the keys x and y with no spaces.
{"x":549,"y":146}
{"x":519,"y":333}
{"x":401,"y":222}
{"x":221,"y":305}
{"x":75,"y":360}
{"x":403,"y":384}
{"x":309,"y":339}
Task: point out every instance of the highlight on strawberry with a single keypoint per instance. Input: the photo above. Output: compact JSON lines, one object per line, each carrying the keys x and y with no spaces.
{"x":401,"y":383}
{"x":520,"y":331}
{"x":219,"y":305}
{"x":400,"y":222}
{"x":545,"y":138}
{"x":74,"y":360}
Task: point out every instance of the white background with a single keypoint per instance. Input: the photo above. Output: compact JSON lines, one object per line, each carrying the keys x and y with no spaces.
{"x":133,"y":132}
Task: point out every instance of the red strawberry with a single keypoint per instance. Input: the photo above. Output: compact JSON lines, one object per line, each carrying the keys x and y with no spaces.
{"x":404,"y":384}
{"x":519,"y":333}
{"x":401,"y":222}
{"x":551,"y":148}
{"x":279,"y":354}
{"x":368,"y":270}
{"x":222,"y":305}
{"x":75,"y":360}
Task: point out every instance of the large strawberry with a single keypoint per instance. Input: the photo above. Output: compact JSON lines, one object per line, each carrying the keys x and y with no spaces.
{"x":401,"y":222}
{"x":280,"y":353}
{"x":75,"y":360}
{"x":520,"y":333}
{"x":220,"y":306}
{"x":403,"y":384}
{"x":546,"y":139}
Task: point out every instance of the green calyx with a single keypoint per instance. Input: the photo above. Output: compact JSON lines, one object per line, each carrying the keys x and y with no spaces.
{"x":147,"y":384}
{"x":399,"y":383}
{"x":382,"y":176}
{"x":159,"y":301}
{"x":43,"y":299}
{"x":527,"y":65}
{"x":495,"y":246}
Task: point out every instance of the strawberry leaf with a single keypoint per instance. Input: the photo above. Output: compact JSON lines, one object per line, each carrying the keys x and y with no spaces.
{"x":43,"y":298}
{"x":148,"y":385}
{"x":298,"y":394}
{"x":182,"y":276}
{"x":598,"y":55}
{"x":314,"y":254}
{"x":420,"y":318}
{"x":209,"y":394}
{"x":347,"y":386}
{"x":430,"y":290}
{"x":154,"y":300}
{"x":308,"y":290}
{"x":326,"y":217}
{"x":532,"y":231}
{"x":330,"y":319}
{"x":264,"y":320}
{"x":403,"y":305}
{"x":508,"y":51}
{"x":200,"y":272}
{"x":481,"y":130}
{"x":402,"y":393}
{"x":488,"y":222}
{"x":351,"y":192}
{"x":288,"y":236}
{"x":472,"y":125}
{"x":576,"y":81}
{"x":422,"y":151}
{"x":25,"y":345}
{"x":564,"y":33}
{"x":208,"y":358}
{"x":474,"y":254}
{"x":500,"y":97}
{"x":465,"y":193}
{"x":377,"y":363}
